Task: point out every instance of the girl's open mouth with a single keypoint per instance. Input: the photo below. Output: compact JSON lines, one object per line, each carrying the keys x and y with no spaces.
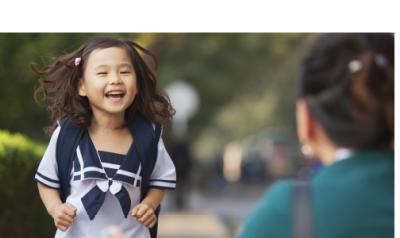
{"x":115,"y":96}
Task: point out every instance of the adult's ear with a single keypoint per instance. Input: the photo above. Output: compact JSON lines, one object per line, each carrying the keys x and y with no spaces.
{"x":305,"y":123}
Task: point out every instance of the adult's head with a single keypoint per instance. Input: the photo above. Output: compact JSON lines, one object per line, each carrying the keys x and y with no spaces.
{"x":346,"y":93}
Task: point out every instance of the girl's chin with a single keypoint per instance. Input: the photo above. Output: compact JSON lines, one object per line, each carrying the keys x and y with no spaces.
{"x":114,"y":109}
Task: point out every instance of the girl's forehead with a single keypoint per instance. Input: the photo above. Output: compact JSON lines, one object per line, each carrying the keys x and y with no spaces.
{"x":111,"y":55}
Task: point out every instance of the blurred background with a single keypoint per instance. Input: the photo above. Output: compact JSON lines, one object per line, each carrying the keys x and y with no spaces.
{"x":232,"y":136}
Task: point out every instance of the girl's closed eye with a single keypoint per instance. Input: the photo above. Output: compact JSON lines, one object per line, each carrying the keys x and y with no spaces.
{"x":125,"y":70}
{"x":101,"y":73}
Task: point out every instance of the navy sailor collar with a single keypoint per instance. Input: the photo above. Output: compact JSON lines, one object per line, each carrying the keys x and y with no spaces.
{"x":87,"y":164}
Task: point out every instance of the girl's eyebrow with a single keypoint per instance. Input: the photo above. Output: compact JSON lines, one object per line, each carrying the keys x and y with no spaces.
{"x":120,"y":65}
{"x":101,"y":66}
{"x":125,"y":64}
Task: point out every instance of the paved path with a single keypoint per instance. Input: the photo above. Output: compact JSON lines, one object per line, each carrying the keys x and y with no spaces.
{"x":192,"y":225}
{"x":209,"y":214}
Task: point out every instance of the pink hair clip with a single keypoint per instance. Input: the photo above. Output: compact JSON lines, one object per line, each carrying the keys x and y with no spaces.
{"x":78,"y":61}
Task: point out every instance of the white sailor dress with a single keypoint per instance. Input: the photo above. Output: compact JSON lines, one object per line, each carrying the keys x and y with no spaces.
{"x":104,"y":187}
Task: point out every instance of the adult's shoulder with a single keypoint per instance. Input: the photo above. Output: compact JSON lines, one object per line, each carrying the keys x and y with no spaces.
{"x":279,"y":189}
{"x":278,"y":196}
{"x":272,"y":215}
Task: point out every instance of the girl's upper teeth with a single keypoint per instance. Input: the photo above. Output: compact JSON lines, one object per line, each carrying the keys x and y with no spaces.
{"x":114,"y":93}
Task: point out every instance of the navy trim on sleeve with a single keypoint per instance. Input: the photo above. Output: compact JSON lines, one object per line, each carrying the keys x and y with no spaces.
{"x":162,"y":183}
{"x":47,"y":178}
{"x":37,"y":180}
{"x":161,"y":187}
{"x":162,"y":180}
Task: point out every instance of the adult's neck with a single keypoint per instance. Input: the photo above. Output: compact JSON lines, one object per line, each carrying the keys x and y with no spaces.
{"x":324,"y":148}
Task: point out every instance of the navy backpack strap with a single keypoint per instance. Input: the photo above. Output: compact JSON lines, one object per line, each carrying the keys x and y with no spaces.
{"x":302,"y":210}
{"x":67,"y":142}
{"x":146,"y":141}
{"x":157,"y":132}
{"x":153,"y":231}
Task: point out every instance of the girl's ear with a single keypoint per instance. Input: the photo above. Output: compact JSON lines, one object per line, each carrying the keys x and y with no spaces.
{"x":81,"y":88}
{"x":305,"y":122}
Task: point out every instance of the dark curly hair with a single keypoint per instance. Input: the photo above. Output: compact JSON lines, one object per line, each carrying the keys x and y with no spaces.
{"x":58,"y":86}
{"x":347,"y":80}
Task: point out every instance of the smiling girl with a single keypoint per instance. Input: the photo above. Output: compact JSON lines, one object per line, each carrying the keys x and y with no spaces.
{"x":119,"y":168}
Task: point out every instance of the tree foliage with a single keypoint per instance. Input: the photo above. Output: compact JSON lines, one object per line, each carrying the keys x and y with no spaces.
{"x":245,"y":80}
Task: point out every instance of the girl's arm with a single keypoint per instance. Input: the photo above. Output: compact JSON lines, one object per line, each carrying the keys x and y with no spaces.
{"x":162,"y":177}
{"x":145,"y":211}
{"x":50,"y":197}
{"x":154,"y":197}
{"x":62,"y":213}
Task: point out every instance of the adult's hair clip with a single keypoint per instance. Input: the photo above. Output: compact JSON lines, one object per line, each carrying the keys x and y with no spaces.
{"x":78,"y":61}
{"x":381,"y":60}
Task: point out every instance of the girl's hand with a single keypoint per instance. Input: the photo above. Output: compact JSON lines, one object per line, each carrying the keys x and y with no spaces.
{"x":145,"y":214}
{"x":63,"y":215}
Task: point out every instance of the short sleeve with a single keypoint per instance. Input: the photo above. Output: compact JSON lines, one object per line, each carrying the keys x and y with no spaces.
{"x":47,"y":172}
{"x":163,"y":175}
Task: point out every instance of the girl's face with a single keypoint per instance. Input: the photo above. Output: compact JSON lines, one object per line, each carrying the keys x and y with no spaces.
{"x":109,"y":81}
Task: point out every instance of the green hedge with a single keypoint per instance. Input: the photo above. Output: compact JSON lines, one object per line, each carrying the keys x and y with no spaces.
{"x":22,"y":213}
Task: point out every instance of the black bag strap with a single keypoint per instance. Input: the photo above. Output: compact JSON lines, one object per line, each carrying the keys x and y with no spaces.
{"x":67,"y":142}
{"x":302,"y":211}
{"x":157,"y":131}
{"x":146,"y":141}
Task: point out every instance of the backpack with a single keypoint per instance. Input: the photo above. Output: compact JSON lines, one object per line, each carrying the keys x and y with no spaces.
{"x":146,"y":142}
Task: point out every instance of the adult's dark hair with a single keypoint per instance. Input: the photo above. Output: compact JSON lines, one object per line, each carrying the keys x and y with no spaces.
{"x":347,"y":81}
{"x":58,"y":87}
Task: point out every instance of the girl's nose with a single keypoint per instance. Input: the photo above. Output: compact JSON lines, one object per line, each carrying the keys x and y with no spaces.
{"x":115,"y":79}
